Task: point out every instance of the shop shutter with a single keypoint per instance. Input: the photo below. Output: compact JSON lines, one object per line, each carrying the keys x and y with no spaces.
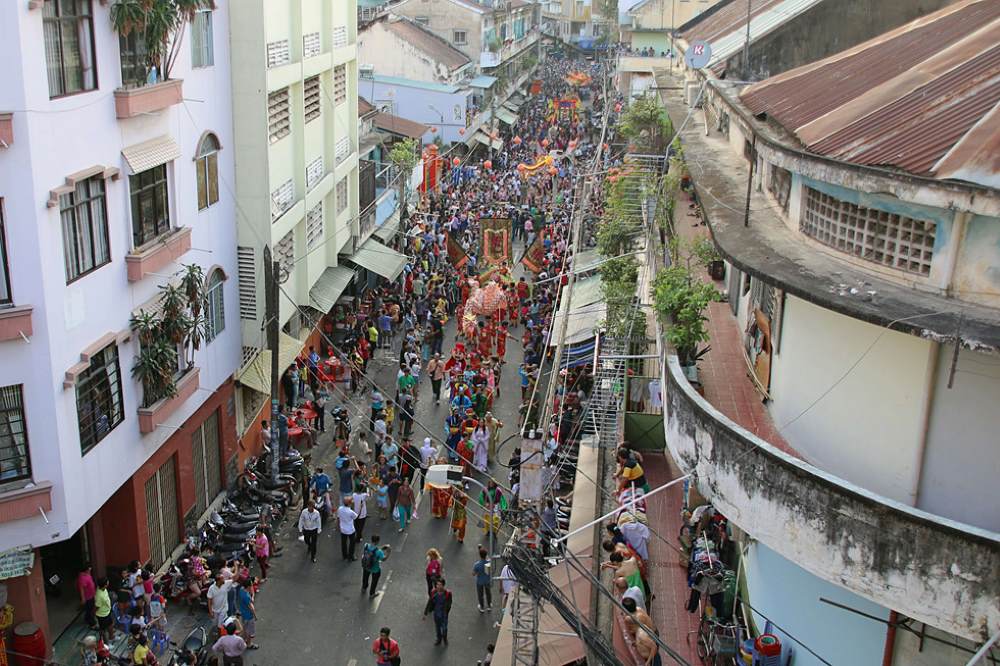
{"x":161,"y":513}
{"x":205,"y":460}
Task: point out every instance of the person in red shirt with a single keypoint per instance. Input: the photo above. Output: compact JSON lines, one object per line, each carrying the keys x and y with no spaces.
{"x":385,"y":649}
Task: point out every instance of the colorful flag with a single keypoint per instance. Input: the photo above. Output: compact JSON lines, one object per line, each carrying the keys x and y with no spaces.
{"x":456,"y":255}
{"x":534,"y":255}
{"x":494,"y":240}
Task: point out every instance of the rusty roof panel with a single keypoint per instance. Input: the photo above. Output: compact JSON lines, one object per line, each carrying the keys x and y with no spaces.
{"x":725,"y":20}
{"x":905,"y":99}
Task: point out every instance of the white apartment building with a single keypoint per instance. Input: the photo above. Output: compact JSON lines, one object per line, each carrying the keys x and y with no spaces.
{"x":295,"y":82}
{"x":108,"y":185}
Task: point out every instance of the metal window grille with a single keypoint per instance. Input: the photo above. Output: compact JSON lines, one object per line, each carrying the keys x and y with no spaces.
{"x":342,"y":200}
{"x":15,"y":462}
{"x":161,"y":513}
{"x":282,"y":199}
{"x":284,"y":252}
{"x":5,"y":295}
{"x":897,"y":241}
{"x":279,"y":123}
{"x":314,"y":172}
{"x":339,"y":84}
{"x":311,"y":98}
{"x":205,"y":460}
{"x":278,"y":53}
{"x":343,"y":148}
{"x":339,"y":36}
{"x":99,"y":397}
{"x":311,"y":45}
{"x":150,"y":205}
{"x":246,"y":268}
{"x":314,"y":226}
{"x":85,"y":228}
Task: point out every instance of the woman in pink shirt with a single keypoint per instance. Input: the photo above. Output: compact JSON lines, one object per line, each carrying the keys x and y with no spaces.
{"x":262,"y":549}
{"x":87,"y":589}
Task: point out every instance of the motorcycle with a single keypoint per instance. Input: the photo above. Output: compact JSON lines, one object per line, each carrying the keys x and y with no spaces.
{"x":194,"y":651}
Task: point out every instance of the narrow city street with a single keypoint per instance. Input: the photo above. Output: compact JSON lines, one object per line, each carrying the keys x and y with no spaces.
{"x":318,"y":613}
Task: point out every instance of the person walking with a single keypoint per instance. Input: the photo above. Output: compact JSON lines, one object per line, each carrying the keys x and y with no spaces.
{"x":385,"y":649}
{"x":435,"y":370}
{"x":459,"y":517}
{"x":262,"y":551}
{"x":371,"y":564}
{"x":484,"y":586}
{"x":434,"y":570}
{"x":345,"y":517}
{"x":439,"y":604}
{"x":360,"y":505}
{"x":88,"y":590}
{"x":428,"y":453}
{"x":404,"y":503}
{"x":310,"y":525}
{"x":230,"y":646}
{"x":247,"y":612}
{"x":218,"y":600}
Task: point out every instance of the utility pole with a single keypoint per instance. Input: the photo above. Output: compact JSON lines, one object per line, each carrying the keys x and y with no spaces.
{"x":271,"y":324}
{"x":746,"y":48}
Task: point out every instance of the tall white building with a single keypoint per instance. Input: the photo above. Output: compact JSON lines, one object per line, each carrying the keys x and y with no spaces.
{"x":108,"y":184}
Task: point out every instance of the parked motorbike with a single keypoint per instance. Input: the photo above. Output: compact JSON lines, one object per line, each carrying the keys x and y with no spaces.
{"x":193,"y":651}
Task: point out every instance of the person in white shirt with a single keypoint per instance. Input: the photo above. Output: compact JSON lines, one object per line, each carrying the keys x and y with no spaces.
{"x":637,"y":536}
{"x":310,"y":525}
{"x":428,"y":452}
{"x":508,"y":583}
{"x":360,"y":502}
{"x":218,"y":600}
{"x":346,"y":516}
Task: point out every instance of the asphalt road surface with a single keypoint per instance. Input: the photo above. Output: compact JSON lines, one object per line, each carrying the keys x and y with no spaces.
{"x":317,"y":614}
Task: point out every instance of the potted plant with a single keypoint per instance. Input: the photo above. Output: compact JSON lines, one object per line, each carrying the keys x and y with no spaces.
{"x":155,"y":29}
{"x":680,"y":301}
{"x":709,"y":256}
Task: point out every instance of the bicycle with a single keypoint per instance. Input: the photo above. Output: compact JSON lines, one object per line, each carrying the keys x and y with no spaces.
{"x":718,"y":642}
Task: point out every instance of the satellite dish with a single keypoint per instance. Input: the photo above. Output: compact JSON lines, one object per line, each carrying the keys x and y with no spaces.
{"x":698,"y":53}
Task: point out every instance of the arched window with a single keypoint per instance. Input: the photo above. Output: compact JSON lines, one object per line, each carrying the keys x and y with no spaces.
{"x":215,"y":307}
{"x":207,"y":165}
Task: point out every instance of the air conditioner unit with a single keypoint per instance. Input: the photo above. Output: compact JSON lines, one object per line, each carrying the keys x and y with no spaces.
{"x":366,"y":71}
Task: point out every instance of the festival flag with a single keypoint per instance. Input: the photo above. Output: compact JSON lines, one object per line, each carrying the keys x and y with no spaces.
{"x":456,"y":255}
{"x":494,"y":240}
{"x":534,"y":255}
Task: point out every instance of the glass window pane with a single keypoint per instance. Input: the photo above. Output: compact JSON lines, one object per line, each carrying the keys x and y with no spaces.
{"x":201,"y":171}
{"x":213,"y":179}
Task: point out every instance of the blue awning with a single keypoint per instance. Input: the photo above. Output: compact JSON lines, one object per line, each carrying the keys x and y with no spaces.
{"x":482,"y":81}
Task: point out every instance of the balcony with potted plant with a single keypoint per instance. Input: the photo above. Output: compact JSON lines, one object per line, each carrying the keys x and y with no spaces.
{"x":150,"y":34}
{"x":169,"y":335}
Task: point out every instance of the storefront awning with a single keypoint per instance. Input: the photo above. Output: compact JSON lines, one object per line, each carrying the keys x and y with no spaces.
{"x":506,"y":116}
{"x":586,"y":260}
{"x":148,"y":154}
{"x":388,"y":229}
{"x":588,"y":309}
{"x":378,"y":258}
{"x":510,"y":106}
{"x":257,"y":373}
{"x":330,"y":285}
{"x":482,"y":81}
{"x":485,"y":140}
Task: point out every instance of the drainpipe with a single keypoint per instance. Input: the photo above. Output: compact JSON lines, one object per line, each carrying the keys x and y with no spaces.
{"x":930,"y":387}
{"x":958,"y":229}
{"x":890,"y":639}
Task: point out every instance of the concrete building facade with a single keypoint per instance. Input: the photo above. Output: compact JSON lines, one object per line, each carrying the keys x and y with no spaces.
{"x":112,"y":177}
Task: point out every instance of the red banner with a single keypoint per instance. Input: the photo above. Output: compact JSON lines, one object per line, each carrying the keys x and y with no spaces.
{"x":494,"y":240}
{"x":456,"y":255}
{"x":534,"y":255}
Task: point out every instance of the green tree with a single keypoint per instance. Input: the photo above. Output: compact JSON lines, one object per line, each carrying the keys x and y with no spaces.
{"x":159,"y":25}
{"x":403,"y":156}
{"x":646,"y":124}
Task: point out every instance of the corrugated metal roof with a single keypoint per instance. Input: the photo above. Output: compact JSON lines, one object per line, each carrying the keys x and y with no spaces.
{"x":399,"y":125}
{"x":771,"y":15}
{"x":904,"y":99}
{"x":724,"y":20}
{"x":420,"y":38}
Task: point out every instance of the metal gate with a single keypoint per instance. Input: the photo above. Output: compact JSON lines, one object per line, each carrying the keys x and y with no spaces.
{"x":161,"y":513}
{"x":205,"y":460}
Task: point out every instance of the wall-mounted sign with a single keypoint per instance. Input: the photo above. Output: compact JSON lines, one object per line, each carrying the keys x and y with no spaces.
{"x":16,"y":562}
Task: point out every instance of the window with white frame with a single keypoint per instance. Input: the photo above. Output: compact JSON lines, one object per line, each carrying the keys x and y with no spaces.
{"x":279,"y":123}
{"x":339,"y":36}
{"x":84,"y":228}
{"x":311,"y":98}
{"x":889,"y":239}
{"x":215,"y":305}
{"x":202,"y":39}
{"x":314,"y":172}
{"x":284,"y":252}
{"x":314,"y":226}
{"x":207,"y":170}
{"x":282,"y":199}
{"x":458,"y":36}
{"x":340,"y":84}
{"x":246,"y":271}
{"x":15,"y":461}
{"x":278,"y":53}
{"x":342,"y":200}
{"x":311,"y":45}
{"x":99,"y":397}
